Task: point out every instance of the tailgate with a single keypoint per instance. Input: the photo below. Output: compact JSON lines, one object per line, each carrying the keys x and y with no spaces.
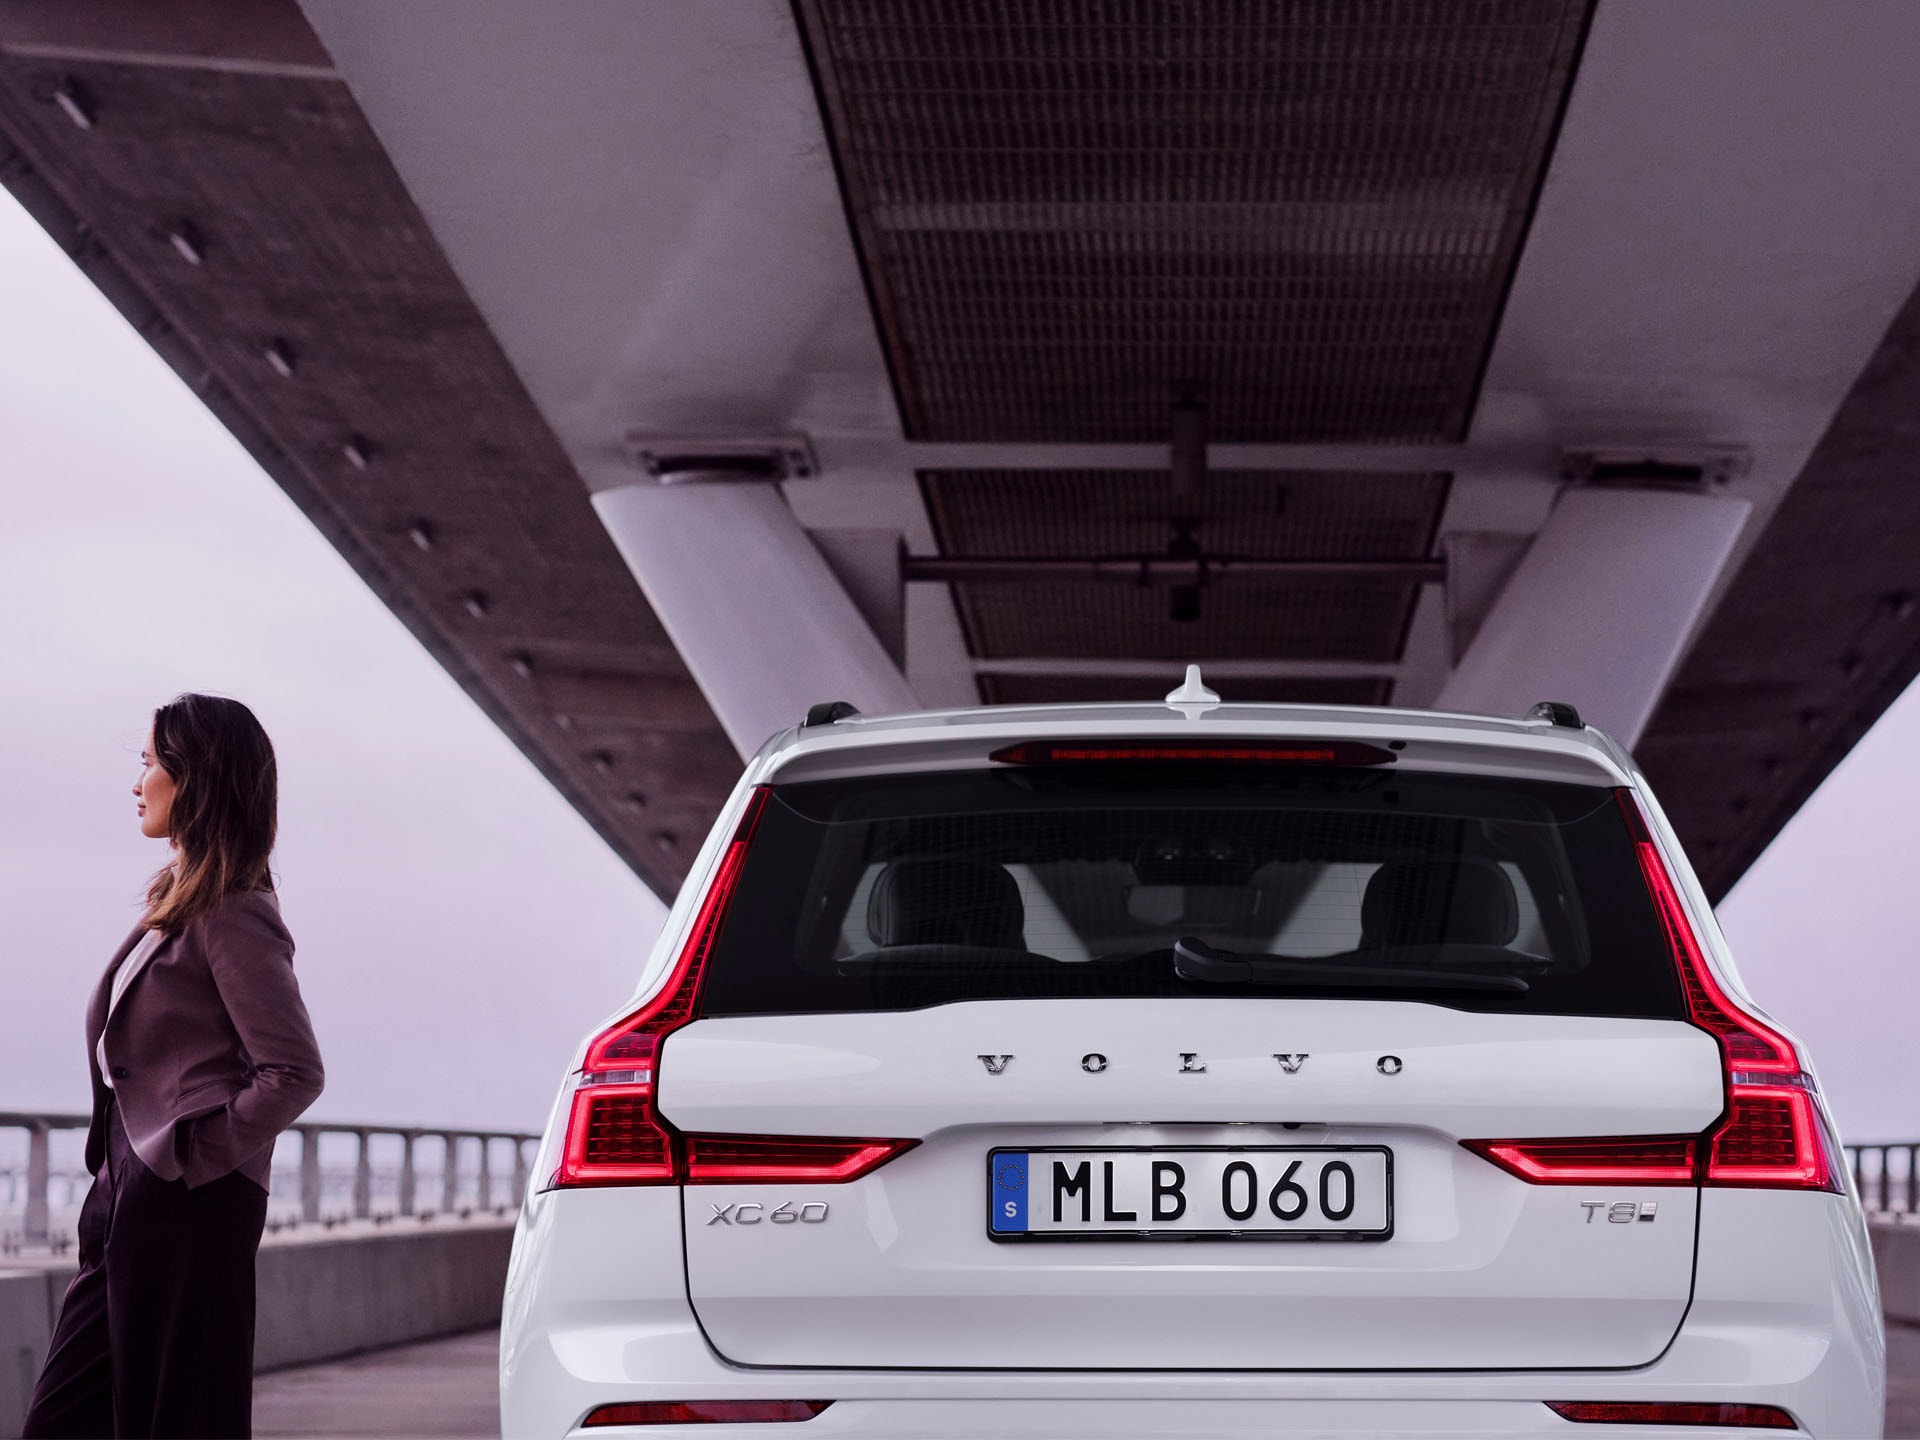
{"x":1476,"y":1269}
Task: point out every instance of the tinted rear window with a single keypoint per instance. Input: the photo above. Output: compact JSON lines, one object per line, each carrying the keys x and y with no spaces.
{"x":900,"y":892}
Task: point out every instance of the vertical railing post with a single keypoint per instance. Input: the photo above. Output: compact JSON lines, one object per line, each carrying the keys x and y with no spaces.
{"x":310,"y":1175}
{"x":1886,"y":1177}
{"x":450,"y":1175}
{"x":1860,"y":1171}
{"x":38,"y":1172}
{"x":363,"y":1177}
{"x":486,"y":1174}
{"x":519,"y":1171}
{"x":1913,"y":1179}
{"x":406,"y":1174}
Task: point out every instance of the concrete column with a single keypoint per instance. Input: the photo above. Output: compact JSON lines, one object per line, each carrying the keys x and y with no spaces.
{"x":485,"y":1201}
{"x":519,"y":1172}
{"x":1601,"y":609}
{"x":38,"y":1174}
{"x":750,"y":604}
{"x":406,"y":1174}
{"x":309,"y":1175}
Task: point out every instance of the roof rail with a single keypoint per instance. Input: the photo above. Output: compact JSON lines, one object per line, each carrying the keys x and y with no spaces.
{"x":1559,"y":712}
{"x":828,"y":711}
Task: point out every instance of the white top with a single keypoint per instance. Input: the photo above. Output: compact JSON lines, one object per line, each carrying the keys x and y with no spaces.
{"x":135,"y":962}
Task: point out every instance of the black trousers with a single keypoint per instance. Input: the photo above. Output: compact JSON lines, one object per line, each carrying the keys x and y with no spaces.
{"x":155,"y":1336}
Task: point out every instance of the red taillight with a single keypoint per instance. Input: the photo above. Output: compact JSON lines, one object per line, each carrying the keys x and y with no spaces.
{"x":1642,"y":1160}
{"x":632,"y":1044}
{"x":1770,"y":1137}
{"x":735,"y":1159}
{"x":1672,"y":1412}
{"x":616,"y":1136}
{"x":1745,"y":1041}
{"x":1251,"y":752}
{"x":613,"y":1138}
{"x":704,"y":1412}
{"x":1770,"y":1132}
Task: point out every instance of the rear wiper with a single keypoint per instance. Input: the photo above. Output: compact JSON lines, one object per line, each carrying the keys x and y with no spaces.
{"x":1196,"y":960}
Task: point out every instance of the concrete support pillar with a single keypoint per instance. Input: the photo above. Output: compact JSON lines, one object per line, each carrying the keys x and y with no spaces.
{"x":485,"y":1199}
{"x":309,"y":1175}
{"x":1601,"y":609}
{"x":750,"y":604}
{"x":37,"y":1223}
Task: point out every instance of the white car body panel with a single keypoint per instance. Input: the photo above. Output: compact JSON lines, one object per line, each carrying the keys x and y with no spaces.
{"x":1482,"y":1269}
{"x":597,"y":1313}
{"x":1775,"y":1303}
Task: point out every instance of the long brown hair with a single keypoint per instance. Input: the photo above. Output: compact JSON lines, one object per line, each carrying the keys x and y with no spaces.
{"x":225,"y":802}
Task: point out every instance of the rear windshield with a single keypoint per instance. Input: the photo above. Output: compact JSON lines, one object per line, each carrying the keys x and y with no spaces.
{"x":900,"y":892}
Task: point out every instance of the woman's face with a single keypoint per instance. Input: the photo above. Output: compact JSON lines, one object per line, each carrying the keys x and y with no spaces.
{"x":154,"y":791}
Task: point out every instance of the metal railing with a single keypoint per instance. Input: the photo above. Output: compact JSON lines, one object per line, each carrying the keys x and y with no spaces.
{"x":1888,"y":1176}
{"x":26,"y":1190}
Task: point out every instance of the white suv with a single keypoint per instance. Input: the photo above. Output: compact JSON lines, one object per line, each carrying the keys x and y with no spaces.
{"x":1191,"y":1069}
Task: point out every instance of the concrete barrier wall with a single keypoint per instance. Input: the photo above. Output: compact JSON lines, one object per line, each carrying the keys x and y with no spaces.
{"x":321,"y":1296}
{"x":333,"y":1296}
{"x":1896,"y":1255}
{"x":27,"y":1303}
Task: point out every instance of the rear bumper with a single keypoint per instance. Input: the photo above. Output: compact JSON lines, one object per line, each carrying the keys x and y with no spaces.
{"x":549,"y":1399}
{"x":1785,"y":1313}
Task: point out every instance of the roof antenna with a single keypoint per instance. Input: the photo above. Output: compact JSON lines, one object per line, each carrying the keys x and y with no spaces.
{"x":1193,"y":691}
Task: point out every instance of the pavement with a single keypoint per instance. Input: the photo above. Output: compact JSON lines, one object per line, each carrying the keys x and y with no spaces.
{"x":1903,"y":1381}
{"x":440,"y":1387}
{"x":447,"y":1387}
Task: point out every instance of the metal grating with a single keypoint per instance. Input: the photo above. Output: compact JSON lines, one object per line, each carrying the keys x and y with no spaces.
{"x":1273,"y":514}
{"x":1239,"y":620}
{"x":1266,"y":514}
{"x":1310,"y":209}
{"x":1094,"y":689}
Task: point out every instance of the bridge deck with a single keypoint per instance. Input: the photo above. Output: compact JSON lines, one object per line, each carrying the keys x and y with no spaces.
{"x":446,"y":1387}
{"x":442,"y":1387}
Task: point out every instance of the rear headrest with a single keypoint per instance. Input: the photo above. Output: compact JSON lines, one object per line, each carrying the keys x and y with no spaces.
{"x":1429,"y":902}
{"x":946,"y":902}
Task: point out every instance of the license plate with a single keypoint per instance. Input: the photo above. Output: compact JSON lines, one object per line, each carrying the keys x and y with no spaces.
{"x":1294,"y":1192}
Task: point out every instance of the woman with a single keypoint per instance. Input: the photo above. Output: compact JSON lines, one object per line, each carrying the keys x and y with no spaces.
{"x":201,"y":1055}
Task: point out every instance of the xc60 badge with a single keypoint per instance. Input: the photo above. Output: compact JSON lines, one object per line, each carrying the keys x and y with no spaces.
{"x":752,"y":1212}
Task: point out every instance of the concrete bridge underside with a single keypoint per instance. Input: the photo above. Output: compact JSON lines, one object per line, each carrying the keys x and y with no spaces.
{"x":1563,"y":350}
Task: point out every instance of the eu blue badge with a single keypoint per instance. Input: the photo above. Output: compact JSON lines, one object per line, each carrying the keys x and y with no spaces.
{"x":1007,"y":1196}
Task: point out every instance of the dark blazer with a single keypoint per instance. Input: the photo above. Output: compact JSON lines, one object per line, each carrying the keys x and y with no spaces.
{"x":211,"y":1050}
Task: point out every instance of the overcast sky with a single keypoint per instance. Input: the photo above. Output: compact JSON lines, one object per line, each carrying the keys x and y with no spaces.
{"x":459,"y":927}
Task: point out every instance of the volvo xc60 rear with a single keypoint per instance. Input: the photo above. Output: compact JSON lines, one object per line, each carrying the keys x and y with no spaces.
{"x":1217,"y":1070}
